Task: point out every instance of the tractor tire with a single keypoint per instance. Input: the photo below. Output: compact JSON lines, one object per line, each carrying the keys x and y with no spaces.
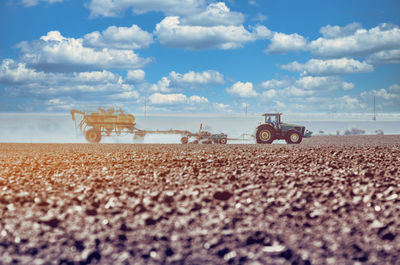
{"x":223,"y":140}
{"x":293,"y":137}
{"x":184,"y":140}
{"x":93,"y":136}
{"x":265,"y":135}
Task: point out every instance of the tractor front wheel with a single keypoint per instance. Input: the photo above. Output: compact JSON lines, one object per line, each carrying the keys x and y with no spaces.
{"x":93,"y":135}
{"x":223,"y":140}
{"x":293,"y":137}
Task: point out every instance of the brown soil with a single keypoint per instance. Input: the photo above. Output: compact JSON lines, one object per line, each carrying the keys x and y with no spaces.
{"x":329,"y":200}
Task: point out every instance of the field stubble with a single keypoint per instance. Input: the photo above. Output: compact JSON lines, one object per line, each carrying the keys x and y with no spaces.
{"x":330,"y":200}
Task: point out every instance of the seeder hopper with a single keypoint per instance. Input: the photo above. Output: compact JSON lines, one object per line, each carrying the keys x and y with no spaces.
{"x":108,"y":122}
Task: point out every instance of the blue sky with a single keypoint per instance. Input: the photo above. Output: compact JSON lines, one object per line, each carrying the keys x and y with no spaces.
{"x":200,"y":56}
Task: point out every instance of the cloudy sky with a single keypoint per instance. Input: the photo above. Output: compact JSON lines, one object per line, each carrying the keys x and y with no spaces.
{"x":200,"y":56}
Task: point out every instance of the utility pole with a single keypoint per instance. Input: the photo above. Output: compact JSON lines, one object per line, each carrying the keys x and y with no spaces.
{"x":145,"y":108}
{"x":374,"y":118}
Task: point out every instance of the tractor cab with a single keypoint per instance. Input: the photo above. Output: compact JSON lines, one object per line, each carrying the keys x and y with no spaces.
{"x":274,"y":119}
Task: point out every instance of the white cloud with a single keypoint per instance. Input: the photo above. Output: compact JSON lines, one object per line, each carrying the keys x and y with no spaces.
{"x":197,"y":100}
{"x":135,"y":76}
{"x":260,"y":17}
{"x":279,"y":104}
{"x":162,"y":85}
{"x":55,"y":53}
{"x":222,"y":107}
{"x":96,"y":77}
{"x":29,"y":3}
{"x":348,"y":103}
{"x":191,"y":79}
{"x":119,"y":38}
{"x":331,"y":32}
{"x":388,"y":98}
{"x":253,"y":3}
{"x":12,"y":72}
{"x":274,"y":83}
{"x":126,"y":95}
{"x":323,"y":82}
{"x":329,"y":67}
{"x":215,"y":14}
{"x":294,"y":91}
{"x":283,"y":43}
{"x":114,"y":8}
{"x":59,"y":104}
{"x":384,"y":57}
{"x":361,"y":43}
{"x":172,"y":33}
{"x":23,"y":79}
{"x":243,"y":90}
{"x":269,"y":94}
{"x":197,"y":78}
{"x":395,"y":88}
{"x":176,"y":99}
{"x":167,"y":99}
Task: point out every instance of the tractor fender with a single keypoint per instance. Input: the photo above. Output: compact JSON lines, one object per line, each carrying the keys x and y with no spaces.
{"x":292,"y":130}
{"x":265,"y":125}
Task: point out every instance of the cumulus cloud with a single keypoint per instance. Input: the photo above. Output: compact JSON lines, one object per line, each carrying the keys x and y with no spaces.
{"x":215,"y":14}
{"x":191,"y":79}
{"x":172,"y":33}
{"x":222,"y":107}
{"x":274,"y":83}
{"x":29,"y":3}
{"x":119,"y":38}
{"x":114,"y":8}
{"x":135,"y":76}
{"x":12,"y":72}
{"x":294,"y":91}
{"x":384,"y":57}
{"x":348,"y":103}
{"x":378,"y":45}
{"x":341,"y":43}
{"x":329,"y":67}
{"x":163,"y":85}
{"x":167,"y":99}
{"x":197,"y":78}
{"x":243,"y":90}
{"x":331,"y":32}
{"x":197,"y":100}
{"x":23,"y":80}
{"x":55,"y":53}
{"x":59,"y":104}
{"x":126,"y":95}
{"x":323,"y":82}
{"x":388,"y":97}
{"x":283,"y":43}
{"x":269,"y":94}
{"x":176,"y":99}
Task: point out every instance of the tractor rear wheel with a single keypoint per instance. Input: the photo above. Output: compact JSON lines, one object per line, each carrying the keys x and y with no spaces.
{"x":93,"y":135}
{"x":265,"y":135}
{"x":293,"y":137}
{"x":184,"y":140}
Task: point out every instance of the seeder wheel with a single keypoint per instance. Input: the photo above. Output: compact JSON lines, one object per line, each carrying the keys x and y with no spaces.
{"x":93,"y":135}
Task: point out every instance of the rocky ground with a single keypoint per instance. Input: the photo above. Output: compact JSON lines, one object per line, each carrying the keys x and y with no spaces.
{"x":329,"y":200}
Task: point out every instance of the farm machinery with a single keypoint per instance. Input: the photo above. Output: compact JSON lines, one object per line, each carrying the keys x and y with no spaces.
{"x":108,"y":122}
{"x":274,"y":129}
